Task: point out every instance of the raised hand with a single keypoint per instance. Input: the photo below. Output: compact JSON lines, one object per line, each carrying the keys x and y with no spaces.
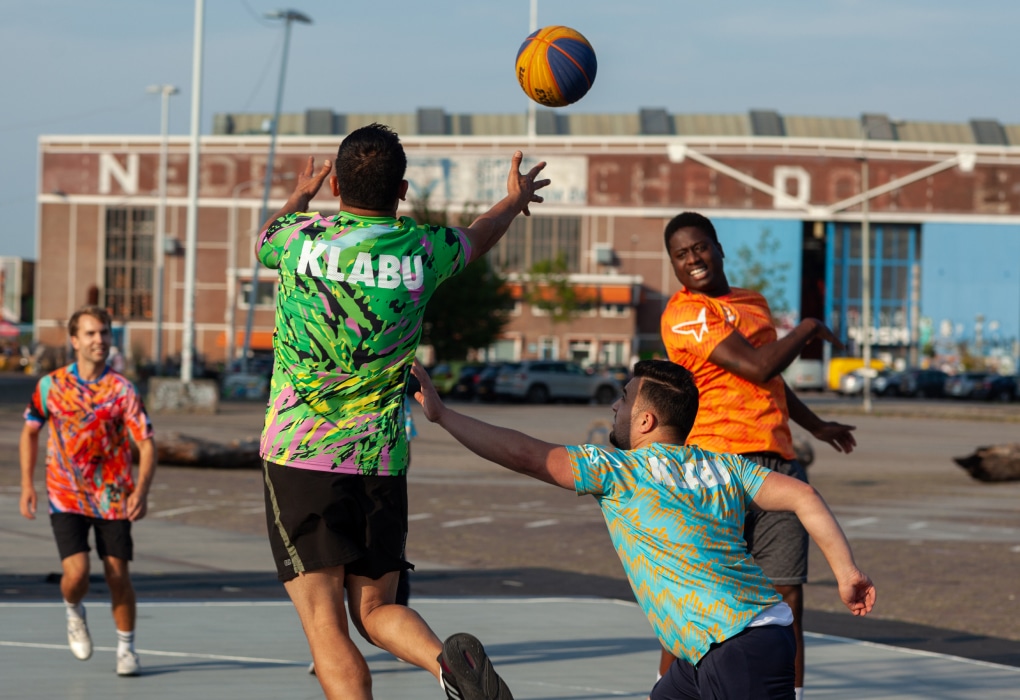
{"x":522,"y":188}
{"x":309,"y":182}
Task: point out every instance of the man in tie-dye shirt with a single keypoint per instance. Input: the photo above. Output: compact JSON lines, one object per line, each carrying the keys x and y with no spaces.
{"x":352,"y":294}
{"x":91,"y":411}
{"x":676,"y":517}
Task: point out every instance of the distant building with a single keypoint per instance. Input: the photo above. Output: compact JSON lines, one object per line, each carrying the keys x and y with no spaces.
{"x":944,"y":220}
{"x":17,"y":290}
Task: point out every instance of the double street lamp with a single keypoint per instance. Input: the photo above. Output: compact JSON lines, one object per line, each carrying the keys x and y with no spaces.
{"x":288,"y":17}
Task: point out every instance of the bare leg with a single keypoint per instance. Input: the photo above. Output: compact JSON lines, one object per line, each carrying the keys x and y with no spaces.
{"x":395,"y":628}
{"x":794,"y":597}
{"x":340,"y":668}
{"x":74,"y":583}
{"x":122,"y":593}
{"x":665,"y":661}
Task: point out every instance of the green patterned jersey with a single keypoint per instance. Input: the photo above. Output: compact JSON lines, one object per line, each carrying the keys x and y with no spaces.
{"x":349,"y":313}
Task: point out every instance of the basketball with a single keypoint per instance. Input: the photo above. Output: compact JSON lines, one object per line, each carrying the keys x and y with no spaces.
{"x":556,"y":66}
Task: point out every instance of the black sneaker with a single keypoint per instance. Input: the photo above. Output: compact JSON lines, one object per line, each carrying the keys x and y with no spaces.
{"x":467,"y":672}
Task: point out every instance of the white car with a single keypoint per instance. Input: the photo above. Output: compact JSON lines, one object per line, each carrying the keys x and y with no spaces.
{"x":541,"y":381}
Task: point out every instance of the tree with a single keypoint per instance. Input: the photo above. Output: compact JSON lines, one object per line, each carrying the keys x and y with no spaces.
{"x":756,"y":270}
{"x":469,"y":310}
{"x":550,"y":290}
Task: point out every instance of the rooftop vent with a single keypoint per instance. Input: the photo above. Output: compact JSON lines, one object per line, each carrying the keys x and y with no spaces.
{"x":877,"y":127}
{"x":989,"y":132}
{"x":766,"y":122}
{"x":656,"y":122}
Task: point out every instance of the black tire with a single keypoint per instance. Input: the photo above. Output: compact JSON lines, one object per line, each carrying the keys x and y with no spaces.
{"x":537,"y":393}
{"x":605,"y":395}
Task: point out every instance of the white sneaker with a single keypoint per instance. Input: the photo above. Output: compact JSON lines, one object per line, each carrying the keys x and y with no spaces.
{"x":127,"y":664}
{"x":78,"y":637}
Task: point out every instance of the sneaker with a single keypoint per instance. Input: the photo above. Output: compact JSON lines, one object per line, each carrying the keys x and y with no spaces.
{"x":127,"y":663}
{"x":78,"y":637}
{"x":467,"y":672}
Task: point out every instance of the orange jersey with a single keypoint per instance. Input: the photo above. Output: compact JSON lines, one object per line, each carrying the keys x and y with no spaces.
{"x":734,"y":415}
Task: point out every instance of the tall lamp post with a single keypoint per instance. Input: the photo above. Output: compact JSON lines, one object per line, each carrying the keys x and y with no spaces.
{"x":866,"y":282}
{"x":532,"y":26}
{"x":165,"y":91}
{"x":191,"y":229}
{"x":288,"y":17}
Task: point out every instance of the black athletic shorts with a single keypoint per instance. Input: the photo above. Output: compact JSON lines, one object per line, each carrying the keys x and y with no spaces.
{"x":776,"y":540}
{"x":319,"y":520}
{"x":71,"y":530}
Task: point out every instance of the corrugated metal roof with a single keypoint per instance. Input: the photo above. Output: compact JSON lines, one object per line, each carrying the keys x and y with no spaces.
{"x":622,"y":124}
{"x":935,"y":132}
{"x":712,"y":124}
{"x":823,"y":127}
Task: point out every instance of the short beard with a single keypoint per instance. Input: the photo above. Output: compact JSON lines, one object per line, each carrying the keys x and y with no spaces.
{"x":616,"y":442}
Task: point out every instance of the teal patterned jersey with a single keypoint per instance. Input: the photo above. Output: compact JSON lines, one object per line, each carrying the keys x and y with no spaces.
{"x":676,"y":518}
{"x":349,"y":313}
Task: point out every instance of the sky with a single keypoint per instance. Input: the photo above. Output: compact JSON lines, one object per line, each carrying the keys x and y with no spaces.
{"x":73,"y":67}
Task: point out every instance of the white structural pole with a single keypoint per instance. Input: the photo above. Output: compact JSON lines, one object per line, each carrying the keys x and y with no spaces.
{"x":165,"y":92}
{"x":532,"y":26}
{"x":866,"y":287}
{"x":191,"y":235}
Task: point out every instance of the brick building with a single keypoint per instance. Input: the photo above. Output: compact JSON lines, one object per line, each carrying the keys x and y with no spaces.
{"x":785,"y":192}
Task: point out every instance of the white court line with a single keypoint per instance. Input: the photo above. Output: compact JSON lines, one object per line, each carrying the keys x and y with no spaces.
{"x":468,"y":521}
{"x":860,"y":521}
{"x":419,"y":516}
{"x":154,"y":652}
{"x":541,"y":523}
{"x":917,"y":526}
{"x":912,"y":652}
{"x":181,"y":510}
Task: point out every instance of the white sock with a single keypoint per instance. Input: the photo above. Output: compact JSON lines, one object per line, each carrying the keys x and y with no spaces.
{"x":125,"y":641}
{"x":798,"y":693}
{"x":75,"y":609}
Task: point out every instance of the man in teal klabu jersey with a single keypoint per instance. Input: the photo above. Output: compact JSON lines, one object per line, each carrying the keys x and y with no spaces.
{"x":352,"y":292}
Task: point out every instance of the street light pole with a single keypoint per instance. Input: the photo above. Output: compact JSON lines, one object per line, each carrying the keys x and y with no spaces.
{"x":191,"y":232}
{"x":866,"y":284}
{"x":288,"y":17}
{"x":165,"y":91}
{"x":532,"y":26}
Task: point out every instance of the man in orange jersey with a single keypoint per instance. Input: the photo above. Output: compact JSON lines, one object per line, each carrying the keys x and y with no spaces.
{"x":726,"y":338}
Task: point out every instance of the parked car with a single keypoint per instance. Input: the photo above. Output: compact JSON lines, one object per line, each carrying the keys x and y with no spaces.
{"x":965,"y":384}
{"x":485,"y":381}
{"x":923,"y":383}
{"x":541,"y":381}
{"x":465,"y":387}
{"x":445,"y":375}
{"x":884,"y":382}
{"x":998,"y":387}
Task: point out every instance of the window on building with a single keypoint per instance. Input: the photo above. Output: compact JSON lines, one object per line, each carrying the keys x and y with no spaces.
{"x":129,"y":262}
{"x":536,"y":238}
{"x":264,"y":298}
{"x":614,"y":311}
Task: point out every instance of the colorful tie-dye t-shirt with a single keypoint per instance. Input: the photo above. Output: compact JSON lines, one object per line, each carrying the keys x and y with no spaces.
{"x":676,"y":518}
{"x":88,"y":455}
{"x":349,"y":314}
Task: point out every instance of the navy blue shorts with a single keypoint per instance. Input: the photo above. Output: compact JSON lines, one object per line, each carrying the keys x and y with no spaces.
{"x":757,"y":663}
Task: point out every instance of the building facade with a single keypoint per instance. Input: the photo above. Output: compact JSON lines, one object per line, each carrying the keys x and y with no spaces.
{"x":943,"y":219}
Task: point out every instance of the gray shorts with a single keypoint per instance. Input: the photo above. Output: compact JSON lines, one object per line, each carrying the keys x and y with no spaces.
{"x":777,"y":541}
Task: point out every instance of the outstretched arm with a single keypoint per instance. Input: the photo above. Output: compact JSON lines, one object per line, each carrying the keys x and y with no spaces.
{"x":508,"y":448}
{"x":485,"y":231}
{"x":838,"y":435}
{"x":781,"y":492}
{"x":735,"y":354}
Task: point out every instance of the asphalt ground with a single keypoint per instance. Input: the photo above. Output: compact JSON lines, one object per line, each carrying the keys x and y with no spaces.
{"x":943,"y":549}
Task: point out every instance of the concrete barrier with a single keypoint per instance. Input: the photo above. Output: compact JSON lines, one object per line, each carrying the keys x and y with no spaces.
{"x":171,"y":395}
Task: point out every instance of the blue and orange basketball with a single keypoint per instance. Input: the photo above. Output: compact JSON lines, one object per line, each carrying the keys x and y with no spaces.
{"x":556,"y":66}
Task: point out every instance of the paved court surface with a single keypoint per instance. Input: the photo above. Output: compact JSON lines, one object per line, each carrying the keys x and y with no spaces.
{"x":543,"y":647}
{"x":228,"y":633}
